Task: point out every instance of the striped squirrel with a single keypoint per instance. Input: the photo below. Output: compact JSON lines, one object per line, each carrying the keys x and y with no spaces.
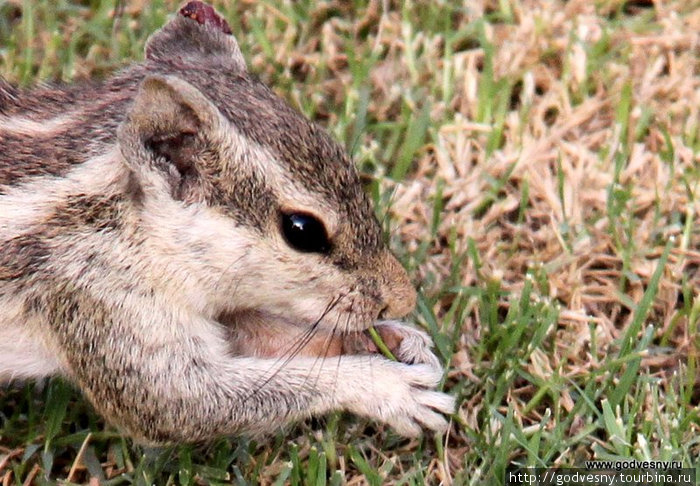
{"x":190,"y":252}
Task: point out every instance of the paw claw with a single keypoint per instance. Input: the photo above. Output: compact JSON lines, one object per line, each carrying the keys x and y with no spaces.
{"x":442,"y":402}
{"x":433,"y":421}
{"x":404,"y":427}
{"x":403,"y":396}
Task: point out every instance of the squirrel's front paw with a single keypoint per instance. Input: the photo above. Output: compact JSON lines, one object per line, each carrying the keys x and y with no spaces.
{"x":401,"y":396}
{"x":408,"y":344}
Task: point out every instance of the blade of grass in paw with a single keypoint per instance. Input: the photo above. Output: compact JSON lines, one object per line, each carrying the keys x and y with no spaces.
{"x":379,"y":342}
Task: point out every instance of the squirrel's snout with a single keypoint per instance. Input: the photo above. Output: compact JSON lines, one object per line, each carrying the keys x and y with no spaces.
{"x":397,"y":290}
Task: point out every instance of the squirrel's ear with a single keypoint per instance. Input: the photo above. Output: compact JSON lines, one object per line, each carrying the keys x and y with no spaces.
{"x":196,"y":33}
{"x":166,"y":126}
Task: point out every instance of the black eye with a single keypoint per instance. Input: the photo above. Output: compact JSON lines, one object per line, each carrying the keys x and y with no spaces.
{"x":305,"y":233}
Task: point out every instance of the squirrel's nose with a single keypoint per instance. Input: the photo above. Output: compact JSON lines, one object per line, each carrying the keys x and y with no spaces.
{"x":398,"y":293}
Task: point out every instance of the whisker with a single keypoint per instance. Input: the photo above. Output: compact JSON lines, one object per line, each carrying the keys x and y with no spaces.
{"x":282,"y":361}
{"x":295,"y":349}
{"x":226,"y":270}
{"x":306,"y":338}
{"x":301,"y":340}
{"x":327,"y":345}
{"x":344,"y":332}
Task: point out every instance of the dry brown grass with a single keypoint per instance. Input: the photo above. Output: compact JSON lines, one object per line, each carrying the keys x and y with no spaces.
{"x":564,"y":150}
{"x":584,"y":270}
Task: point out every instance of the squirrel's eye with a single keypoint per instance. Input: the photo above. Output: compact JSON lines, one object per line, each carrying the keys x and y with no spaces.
{"x":305,"y":233}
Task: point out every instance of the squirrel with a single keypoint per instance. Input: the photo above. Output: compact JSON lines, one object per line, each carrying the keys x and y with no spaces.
{"x":196,"y":256}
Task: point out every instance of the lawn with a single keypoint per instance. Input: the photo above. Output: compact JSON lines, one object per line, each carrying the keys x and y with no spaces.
{"x":537,"y":169}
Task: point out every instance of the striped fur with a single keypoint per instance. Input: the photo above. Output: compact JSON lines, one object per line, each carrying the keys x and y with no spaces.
{"x":141,"y":254}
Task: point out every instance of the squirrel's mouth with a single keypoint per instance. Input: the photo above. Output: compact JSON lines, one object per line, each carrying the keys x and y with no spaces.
{"x":261,"y":334}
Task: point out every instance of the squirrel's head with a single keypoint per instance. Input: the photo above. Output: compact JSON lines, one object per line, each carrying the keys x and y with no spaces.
{"x":268,"y":208}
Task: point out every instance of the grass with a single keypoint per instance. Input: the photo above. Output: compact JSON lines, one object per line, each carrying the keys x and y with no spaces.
{"x":537,"y":168}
